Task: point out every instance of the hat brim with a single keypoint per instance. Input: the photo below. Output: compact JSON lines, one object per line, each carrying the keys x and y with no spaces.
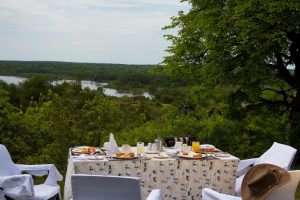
{"x":246,"y":193}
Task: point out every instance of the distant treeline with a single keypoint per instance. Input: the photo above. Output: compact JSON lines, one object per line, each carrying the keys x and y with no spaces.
{"x":120,"y":75}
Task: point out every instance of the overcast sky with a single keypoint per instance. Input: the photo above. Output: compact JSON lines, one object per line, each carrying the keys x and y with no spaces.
{"x":101,"y":31}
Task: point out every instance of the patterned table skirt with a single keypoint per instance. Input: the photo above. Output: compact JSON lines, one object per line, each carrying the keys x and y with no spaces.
{"x":178,"y":179}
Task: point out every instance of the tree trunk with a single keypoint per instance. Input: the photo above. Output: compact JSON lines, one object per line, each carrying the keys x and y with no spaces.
{"x":295,"y":107}
{"x":295,"y":125}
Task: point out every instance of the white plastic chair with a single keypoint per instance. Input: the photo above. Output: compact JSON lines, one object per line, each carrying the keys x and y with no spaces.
{"x":279,"y":154}
{"x":2,"y":194}
{"x":284,"y":192}
{"x":98,"y":187}
{"x":16,"y":185}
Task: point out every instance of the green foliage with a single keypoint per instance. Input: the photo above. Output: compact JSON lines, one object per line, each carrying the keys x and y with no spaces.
{"x":237,"y":55}
{"x":32,"y":89}
{"x":43,"y":129}
{"x":168,"y":124}
{"x":10,"y":129}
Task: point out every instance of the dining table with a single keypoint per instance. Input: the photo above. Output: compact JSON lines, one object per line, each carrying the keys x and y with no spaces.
{"x":178,"y":177}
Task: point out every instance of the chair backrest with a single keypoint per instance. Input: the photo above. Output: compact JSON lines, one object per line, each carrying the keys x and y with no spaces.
{"x":97,"y":187}
{"x":7,"y":166}
{"x":279,"y":154}
{"x":287,"y":191}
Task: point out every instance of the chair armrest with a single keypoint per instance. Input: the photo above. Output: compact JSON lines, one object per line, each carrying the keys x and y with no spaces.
{"x":244,"y":165}
{"x":42,"y":170}
{"x":17,"y":186}
{"x":154,"y":195}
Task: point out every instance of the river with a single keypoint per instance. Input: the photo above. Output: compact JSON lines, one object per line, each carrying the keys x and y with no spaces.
{"x":85,"y":84}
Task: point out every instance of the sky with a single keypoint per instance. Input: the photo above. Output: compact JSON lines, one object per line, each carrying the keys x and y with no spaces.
{"x":97,"y":31}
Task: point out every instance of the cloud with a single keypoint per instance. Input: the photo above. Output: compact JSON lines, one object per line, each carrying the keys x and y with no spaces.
{"x":127,"y":31}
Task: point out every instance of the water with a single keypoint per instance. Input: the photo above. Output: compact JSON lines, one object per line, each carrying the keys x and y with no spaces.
{"x":12,"y":79}
{"x":85,"y":84}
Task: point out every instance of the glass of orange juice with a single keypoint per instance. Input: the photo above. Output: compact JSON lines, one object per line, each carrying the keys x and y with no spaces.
{"x":195,"y":146}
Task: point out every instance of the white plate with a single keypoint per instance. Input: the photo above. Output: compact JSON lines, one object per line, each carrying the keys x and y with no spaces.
{"x":190,"y":156}
{"x":81,"y":148}
{"x":152,"y":152}
{"x":122,"y":157}
{"x":208,"y":148}
{"x":206,"y":145}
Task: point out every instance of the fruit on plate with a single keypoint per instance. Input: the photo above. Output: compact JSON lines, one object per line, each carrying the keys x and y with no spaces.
{"x":209,"y":149}
{"x":131,"y":154}
{"x":197,"y":155}
{"x":85,"y":150}
{"x":91,"y":150}
{"x":185,"y":153}
{"x":119,"y":154}
{"x":127,"y":155}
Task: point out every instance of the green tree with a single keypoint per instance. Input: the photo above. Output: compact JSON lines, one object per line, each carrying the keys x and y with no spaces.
{"x":10,"y":127}
{"x":33,"y":88}
{"x":250,"y":47}
{"x":58,"y":122}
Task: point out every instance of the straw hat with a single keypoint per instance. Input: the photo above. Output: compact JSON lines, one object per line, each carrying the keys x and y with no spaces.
{"x":261,"y":180}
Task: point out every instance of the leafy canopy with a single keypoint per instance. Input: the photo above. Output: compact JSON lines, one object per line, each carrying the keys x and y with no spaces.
{"x":244,"y":54}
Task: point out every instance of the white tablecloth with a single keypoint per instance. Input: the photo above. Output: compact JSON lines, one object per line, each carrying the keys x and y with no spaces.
{"x":178,"y":179}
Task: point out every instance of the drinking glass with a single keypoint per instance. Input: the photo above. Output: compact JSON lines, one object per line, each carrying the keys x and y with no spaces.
{"x":178,"y":145}
{"x":154,"y":148}
{"x":149,"y":147}
{"x":140,"y":148}
{"x":186,"y":149}
{"x":195,"y":146}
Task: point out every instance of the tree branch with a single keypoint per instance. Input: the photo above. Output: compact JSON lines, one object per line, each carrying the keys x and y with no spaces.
{"x":283,"y":71}
{"x":284,"y":95}
{"x":295,"y":54}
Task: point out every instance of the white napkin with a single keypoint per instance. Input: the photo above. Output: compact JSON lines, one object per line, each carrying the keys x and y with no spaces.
{"x":19,"y":187}
{"x":111,"y":146}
